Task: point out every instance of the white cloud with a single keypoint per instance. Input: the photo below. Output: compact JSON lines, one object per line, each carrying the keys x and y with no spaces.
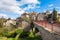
{"x":3,"y":15}
{"x":50,"y":5}
{"x":31,"y":6}
{"x":10,"y":6}
{"x":13,"y":6}
{"x":9,"y":2}
{"x":59,"y":12}
{"x":57,"y":7}
{"x":29,"y":2}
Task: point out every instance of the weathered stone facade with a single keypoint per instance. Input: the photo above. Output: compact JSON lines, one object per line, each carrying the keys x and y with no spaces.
{"x":33,"y":15}
{"x":25,"y":26}
{"x":40,"y":16}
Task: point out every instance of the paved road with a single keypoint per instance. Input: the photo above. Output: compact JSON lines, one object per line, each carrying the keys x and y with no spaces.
{"x":52,"y":27}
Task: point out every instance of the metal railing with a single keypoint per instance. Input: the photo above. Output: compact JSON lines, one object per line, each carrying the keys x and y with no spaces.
{"x":53,"y":27}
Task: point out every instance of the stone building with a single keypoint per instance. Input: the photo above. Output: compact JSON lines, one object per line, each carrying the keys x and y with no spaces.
{"x":22,"y":22}
{"x":47,"y":13}
{"x":9,"y":21}
{"x":24,"y":15}
{"x":25,"y":26}
{"x":40,"y":16}
{"x":58,"y":17}
{"x":19,"y":22}
{"x":43,"y":16}
{"x":33,"y":15}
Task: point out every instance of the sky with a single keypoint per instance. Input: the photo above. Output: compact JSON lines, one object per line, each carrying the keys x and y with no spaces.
{"x":14,"y":8}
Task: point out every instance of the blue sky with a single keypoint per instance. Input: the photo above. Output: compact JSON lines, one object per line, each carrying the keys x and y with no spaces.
{"x":14,"y":8}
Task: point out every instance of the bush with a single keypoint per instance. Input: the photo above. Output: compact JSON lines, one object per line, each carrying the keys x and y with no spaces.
{"x":18,"y":31}
{"x":31,"y":34}
{"x":4,"y":33}
{"x":24,"y":35}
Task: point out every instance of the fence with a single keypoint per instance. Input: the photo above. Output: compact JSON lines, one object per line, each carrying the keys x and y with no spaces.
{"x":55,"y":27}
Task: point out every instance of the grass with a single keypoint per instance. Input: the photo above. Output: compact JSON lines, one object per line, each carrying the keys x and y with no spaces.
{"x":5,"y":38}
{"x":20,"y":35}
{"x":28,"y":38}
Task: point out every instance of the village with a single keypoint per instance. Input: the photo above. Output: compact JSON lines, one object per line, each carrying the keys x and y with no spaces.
{"x":26,"y":18}
{"x":25,"y":22}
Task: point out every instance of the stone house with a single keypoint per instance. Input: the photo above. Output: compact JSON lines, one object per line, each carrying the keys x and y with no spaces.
{"x":47,"y":13}
{"x":24,"y":15}
{"x":33,"y":15}
{"x":22,"y":23}
{"x":43,"y":16}
{"x":19,"y":22}
{"x":58,"y":17}
{"x":25,"y":26}
{"x":51,"y":18}
{"x":9,"y":22}
{"x":40,"y":16}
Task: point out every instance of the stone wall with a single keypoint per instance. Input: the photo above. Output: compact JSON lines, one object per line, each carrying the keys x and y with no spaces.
{"x":46,"y":35}
{"x":25,"y":26}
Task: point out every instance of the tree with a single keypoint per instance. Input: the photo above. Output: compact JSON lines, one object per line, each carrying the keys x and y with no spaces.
{"x":54,"y":15}
{"x":2,"y":21}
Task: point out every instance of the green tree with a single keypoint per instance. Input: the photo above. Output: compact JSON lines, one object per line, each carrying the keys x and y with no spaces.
{"x":54,"y":15}
{"x":2,"y":21}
